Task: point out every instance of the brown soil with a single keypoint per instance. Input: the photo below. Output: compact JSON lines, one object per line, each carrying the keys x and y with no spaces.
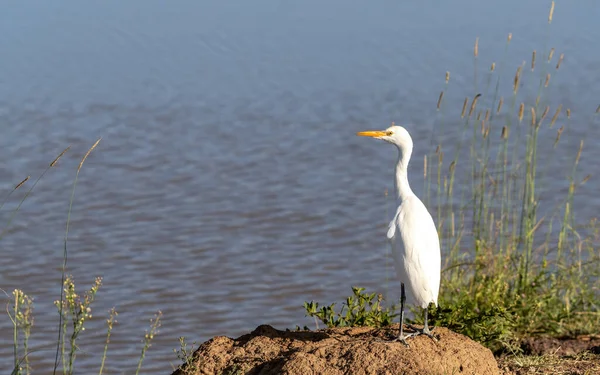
{"x":561,"y":347}
{"x":340,"y":351}
{"x":547,"y":355}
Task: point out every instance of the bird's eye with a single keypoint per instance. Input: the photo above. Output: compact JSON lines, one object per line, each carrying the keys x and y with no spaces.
{"x":389,"y":133}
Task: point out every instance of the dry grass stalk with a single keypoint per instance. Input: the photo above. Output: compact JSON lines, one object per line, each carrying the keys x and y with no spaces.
{"x":476,"y":48}
{"x":560,"y":59}
{"x":533,"y":116}
{"x":88,"y":153}
{"x":568,"y":113}
{"x":500,"y":104}
{"x":21,"y":183}
{"x":521,"y":110}
{"x":447,"y":77}
{"x":556,"y":115}
{"x":504,"y":134}
{"x":551,"y":12}
{"x":579,"y":152}
{"x":487,"y":115}
{"x":558,"y":133}
{"x":59,"y":156}
{"x":509,"y":38}
{"x":585,"y":179}
{"x":462,"y":114}
{"x":547,"y":80}
{"x":474,"y":104}
{"x":439,"y":102}
{"x":516,"y":80}
{"x":533,"y":60}
{"x":425,"y":166}
{"x":493,"y":67}
{"x":551,"y":54}
{"x":479,"y":116}
{"x":545,"y":113}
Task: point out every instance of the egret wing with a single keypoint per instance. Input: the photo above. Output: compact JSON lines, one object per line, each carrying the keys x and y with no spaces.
{"x":416,"y":251}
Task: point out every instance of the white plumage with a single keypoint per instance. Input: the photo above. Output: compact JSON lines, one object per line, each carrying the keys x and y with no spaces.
{"x":412,"y":234}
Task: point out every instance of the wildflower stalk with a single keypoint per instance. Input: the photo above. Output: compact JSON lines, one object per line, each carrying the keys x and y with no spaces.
{"x":148,"y":337}
{"x":109,"y":322}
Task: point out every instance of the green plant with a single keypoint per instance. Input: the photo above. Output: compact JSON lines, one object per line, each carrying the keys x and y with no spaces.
{"x":186,"y":355}
{"x":22,"y":319}
{"x":74,"y":309}
{"x":148,"y":337}
{"x":109,"y":322}
{"x":360,"y":309}
{"x":485,"y":315}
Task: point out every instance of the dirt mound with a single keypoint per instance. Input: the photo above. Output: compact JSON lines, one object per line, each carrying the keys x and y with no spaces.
{"x":340,"y":351}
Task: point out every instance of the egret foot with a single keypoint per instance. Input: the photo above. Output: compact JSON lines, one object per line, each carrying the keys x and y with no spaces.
{"x":424,"y":331}
{"x":400,"y":336}
{"x":403,"y":336}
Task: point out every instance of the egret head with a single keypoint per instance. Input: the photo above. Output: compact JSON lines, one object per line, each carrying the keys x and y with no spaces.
{"x":396,"y":135}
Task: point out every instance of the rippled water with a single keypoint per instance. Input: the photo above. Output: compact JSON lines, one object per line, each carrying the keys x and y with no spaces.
{"x":229,"y":187}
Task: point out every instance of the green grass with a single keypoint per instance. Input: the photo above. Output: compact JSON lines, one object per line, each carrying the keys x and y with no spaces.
{"x":511,"y":266}
{"x":74,"y":309}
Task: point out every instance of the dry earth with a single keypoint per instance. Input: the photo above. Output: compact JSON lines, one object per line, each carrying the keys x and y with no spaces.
{"x":340,"y":351}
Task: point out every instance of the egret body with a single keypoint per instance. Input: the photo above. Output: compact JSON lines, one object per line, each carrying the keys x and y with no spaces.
{"x":412,"y":235}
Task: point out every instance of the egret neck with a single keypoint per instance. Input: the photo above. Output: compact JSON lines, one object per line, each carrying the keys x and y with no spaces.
{"x":402,"y":187}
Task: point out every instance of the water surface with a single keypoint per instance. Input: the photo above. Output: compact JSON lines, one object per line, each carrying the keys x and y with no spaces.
{"x":229,"y":187}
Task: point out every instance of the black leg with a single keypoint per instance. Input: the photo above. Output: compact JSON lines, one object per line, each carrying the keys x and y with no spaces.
{"x":425,"y":331}
{"x":402,"y":300}
{"x":402,"y":337}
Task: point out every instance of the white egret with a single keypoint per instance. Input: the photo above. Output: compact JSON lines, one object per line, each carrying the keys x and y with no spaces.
{"x":413,"y":236}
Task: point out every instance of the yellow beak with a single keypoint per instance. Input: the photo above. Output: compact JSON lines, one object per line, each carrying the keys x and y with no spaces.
{"x":372,"y":133}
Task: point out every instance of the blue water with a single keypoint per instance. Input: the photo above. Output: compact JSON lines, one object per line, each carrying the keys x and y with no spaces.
{"x":229,"y":187}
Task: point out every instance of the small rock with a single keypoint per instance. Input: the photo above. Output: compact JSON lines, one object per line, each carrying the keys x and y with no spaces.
{"x":361,"y":351}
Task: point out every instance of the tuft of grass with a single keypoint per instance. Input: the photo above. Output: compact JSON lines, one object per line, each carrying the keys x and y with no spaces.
{"x":515,"y":268}
{"x":360,"y":309}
